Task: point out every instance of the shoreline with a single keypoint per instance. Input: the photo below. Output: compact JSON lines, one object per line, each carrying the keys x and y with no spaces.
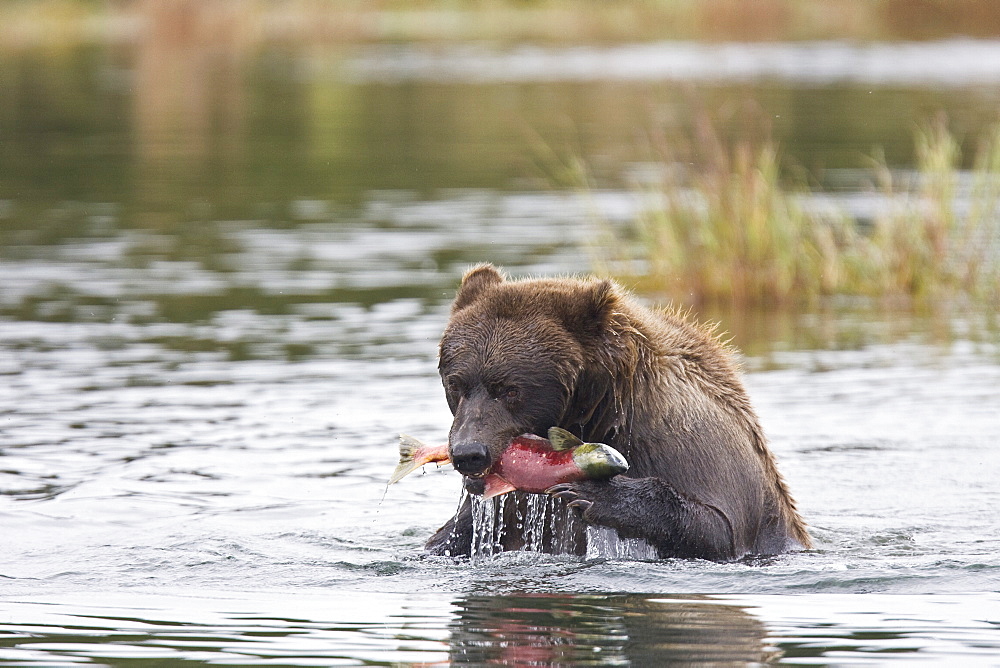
{"x":37,"y":23}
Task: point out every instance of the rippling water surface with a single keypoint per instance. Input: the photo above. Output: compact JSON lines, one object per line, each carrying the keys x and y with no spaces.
{"x":204,"y":371}
{"x":214,"y":490}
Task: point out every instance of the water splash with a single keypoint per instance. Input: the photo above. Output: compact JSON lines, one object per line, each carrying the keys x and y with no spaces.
{"x":487,"y":526}
{"x":521,"y":522}
{"x":605,"y":543}
{"x":539,"y":512}
{"x":539,"y":523}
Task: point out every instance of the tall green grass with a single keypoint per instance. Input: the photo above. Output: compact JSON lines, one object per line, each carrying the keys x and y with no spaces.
{"x":730,"y":230}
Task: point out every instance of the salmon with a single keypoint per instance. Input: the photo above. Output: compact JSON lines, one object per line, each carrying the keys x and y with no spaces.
{"x":530,"y":463}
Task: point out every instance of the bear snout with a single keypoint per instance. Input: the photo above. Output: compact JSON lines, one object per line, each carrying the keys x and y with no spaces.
{"x":470,"y":458}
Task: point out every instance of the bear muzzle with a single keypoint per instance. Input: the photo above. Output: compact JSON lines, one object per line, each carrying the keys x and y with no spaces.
{"x":471,"y":458}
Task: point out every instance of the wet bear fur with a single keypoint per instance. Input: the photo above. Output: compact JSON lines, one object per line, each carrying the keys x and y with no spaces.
{"x":520,"y":356}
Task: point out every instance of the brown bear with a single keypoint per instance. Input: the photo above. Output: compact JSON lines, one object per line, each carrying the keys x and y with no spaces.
{"x":520,"y":356}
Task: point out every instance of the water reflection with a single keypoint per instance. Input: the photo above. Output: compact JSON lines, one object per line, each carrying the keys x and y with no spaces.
{"x":313,"y":628}
{"x":515,"y":630}
{"x":195,"y":123}
{"x":188,"y":101}
{"x":558,"y":630}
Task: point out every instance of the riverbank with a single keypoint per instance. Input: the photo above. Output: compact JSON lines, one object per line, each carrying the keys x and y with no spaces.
{"x":66,"y":22}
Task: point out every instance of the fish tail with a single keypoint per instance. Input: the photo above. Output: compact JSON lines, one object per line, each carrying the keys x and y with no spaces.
{"x":408,"y":460}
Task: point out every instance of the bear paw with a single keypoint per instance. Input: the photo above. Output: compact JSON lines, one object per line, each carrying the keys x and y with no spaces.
{"x":594,"y":500}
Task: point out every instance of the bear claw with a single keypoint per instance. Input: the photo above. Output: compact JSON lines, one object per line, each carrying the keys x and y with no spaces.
{"x":581,"y":504}
{"x":563,"y":491}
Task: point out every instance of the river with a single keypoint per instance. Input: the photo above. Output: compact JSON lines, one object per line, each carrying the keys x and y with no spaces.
{"x":208,"y":347}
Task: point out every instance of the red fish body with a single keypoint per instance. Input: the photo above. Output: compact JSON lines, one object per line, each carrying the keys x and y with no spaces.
{"x":530,"y":463}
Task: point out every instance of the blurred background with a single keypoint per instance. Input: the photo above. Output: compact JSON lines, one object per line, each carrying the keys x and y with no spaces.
{"x":230,"y":233}
{"x":643,"y":140}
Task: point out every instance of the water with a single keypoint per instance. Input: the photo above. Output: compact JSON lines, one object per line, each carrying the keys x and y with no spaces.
{"x":214,"y":491}
{"x":478,"y":629}
{"x":941,"y":64}
{"x":204,"y":373}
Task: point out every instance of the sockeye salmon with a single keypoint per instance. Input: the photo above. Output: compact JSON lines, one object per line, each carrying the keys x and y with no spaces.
{"x":530,"y":463}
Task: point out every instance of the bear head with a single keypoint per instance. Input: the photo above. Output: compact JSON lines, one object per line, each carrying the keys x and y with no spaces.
{"x":522,"y":356}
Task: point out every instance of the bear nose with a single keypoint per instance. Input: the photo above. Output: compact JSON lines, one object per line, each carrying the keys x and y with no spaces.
{"x":470,"y":458}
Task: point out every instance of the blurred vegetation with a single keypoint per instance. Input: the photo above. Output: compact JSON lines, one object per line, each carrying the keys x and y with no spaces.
{"x":58,"y":22}
{"x":180,"y":119}
{"x":721,"y":226}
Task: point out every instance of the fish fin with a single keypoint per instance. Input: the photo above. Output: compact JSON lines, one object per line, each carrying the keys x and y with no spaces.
{"x":496,"y":486}
{"x":562,"y":439}
{"x":408,"y":463}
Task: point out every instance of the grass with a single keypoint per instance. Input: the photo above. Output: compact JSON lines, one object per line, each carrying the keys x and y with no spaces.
{"x":943,"y":240}
{"x":730,"y":231}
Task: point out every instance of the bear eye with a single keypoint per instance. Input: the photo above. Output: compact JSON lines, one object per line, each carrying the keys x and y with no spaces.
{"x":454,"y":384}
{"x":511,"y":393}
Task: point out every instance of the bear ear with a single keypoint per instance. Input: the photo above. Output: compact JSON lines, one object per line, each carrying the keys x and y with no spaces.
{"x":475,"y":282}
{"x":591,"y":313}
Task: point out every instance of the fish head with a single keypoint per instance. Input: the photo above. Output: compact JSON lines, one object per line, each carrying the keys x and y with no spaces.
{"x":598,"y":460}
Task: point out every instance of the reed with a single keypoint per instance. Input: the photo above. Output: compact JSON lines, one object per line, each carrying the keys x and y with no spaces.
{"x":942,"y":237}
{"x":732,"y":231}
